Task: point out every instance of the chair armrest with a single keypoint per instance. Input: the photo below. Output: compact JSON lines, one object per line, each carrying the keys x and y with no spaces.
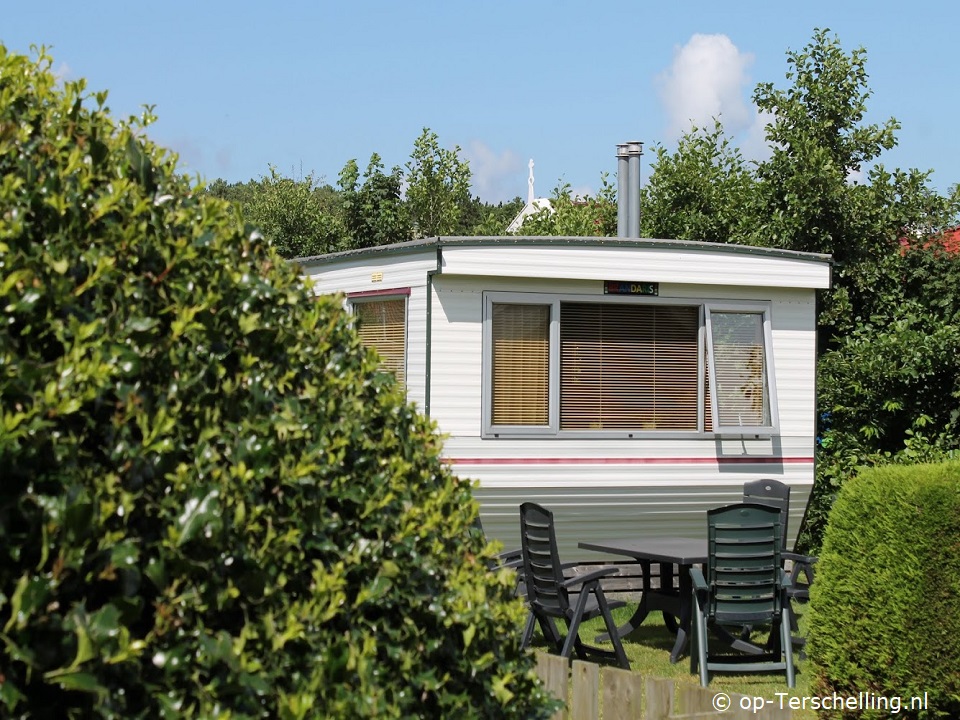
{"x":589,"y":577}
{"x":786,"y":582}
{"x":699,"y":582}
{"x":801,"y":564}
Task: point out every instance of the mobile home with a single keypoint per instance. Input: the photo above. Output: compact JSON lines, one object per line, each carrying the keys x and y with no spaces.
{"x":628,"y":384}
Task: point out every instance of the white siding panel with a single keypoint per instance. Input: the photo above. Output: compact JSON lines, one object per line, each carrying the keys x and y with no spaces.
{"x":668,"y":507}
{"x":357,"y":273}
{"x":665,"y":265}
{"x":456,"y":373}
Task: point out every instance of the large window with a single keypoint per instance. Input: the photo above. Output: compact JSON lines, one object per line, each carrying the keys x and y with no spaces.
{"x":382,"y":325}
{"x":557,"y":365}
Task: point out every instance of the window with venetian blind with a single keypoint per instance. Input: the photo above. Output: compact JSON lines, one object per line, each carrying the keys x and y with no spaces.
{"x":382,"y":325}
{"x":627,"y":367}
{"x":521,"y":364}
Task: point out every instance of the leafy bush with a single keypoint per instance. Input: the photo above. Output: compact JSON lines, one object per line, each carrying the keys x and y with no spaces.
{"x":890,"y":394}
{"x":884,"y":614}
{"x":212,"y":503}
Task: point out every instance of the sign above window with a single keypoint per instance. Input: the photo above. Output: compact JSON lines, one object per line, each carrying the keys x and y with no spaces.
{"x":619,"y":287}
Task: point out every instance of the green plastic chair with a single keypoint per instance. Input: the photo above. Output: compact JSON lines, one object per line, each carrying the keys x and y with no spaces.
{"x":777,"y":494}
{"x":745,"y":584}
{"x":552,"y":596}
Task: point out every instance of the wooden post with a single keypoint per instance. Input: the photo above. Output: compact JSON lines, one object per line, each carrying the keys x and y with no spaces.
{"x":552,"y":670}
{"x":585,"y":701}
{"x":659,"y":699}
{"x":622,"y":694}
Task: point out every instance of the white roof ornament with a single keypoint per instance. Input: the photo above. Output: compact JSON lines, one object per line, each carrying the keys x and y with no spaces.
{"x":530,"y":195}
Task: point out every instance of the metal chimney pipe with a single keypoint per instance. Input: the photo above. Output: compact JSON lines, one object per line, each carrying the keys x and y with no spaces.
{"x":634,"y":151}
{"x":623,"y":182}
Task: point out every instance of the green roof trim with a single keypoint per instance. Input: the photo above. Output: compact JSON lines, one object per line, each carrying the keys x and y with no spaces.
{"x":413,"y":246}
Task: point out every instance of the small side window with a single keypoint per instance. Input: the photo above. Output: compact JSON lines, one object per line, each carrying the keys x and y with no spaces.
{"x":382,"y":326}
{"x":742,"y":387}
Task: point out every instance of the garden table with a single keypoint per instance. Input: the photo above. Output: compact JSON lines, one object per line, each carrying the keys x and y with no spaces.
{"x":673,"y":600}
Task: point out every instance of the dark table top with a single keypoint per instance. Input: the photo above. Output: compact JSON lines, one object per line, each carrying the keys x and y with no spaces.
{"x":680,"y":551}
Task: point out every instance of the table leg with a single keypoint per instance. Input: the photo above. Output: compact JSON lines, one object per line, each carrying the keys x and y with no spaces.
{"x":686,"y":612}
{"x":667,"y":590}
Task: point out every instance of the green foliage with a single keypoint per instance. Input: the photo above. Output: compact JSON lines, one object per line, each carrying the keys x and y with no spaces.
{"x":884,"y":616}
{"x":574,"y":216}
{"x":291,"y":213}
{"x":213,"y":504}
{"x":700,"y":192}
{"x":373,"y":213}
{"x":887,"y":383}
{"x":438,"y":186}
{"x":482,"y":218}
{"x":301,"y":217}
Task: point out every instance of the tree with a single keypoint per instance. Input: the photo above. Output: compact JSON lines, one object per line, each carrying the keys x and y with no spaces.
{"x":212,"y":502}
{"x":438,"y":186}
{"x":889,"y":382}
{"x":291,"y":213}
{"x":590,"y":215}
{"x":373,"y":213}
{"x":700,"y":191}
{"x":483,"y":218}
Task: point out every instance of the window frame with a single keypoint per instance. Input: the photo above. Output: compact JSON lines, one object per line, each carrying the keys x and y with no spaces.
{"x":553,"y":369}
{"x":705,"y":366}
{"x":769,"y":374}
{"x":399,"y":294}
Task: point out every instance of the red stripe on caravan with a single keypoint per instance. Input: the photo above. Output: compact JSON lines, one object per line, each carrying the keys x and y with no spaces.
{"x":633,"y":461}
{"x":374,"y":293}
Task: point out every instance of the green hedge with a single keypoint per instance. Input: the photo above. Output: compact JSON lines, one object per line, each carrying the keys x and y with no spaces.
{"x":885,"y":608}
{"x":212,"y":503}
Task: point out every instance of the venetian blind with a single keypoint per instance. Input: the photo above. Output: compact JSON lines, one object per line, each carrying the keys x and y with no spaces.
{"x":521,"y":364}
{"x":383,"y":327}
{"x":628,"y":367}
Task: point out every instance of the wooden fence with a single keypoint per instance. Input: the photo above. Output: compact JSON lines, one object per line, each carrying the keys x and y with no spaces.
{"x":626,"y":695}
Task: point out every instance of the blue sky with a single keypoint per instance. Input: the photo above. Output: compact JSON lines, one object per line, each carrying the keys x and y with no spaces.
{"x":306,"y":86}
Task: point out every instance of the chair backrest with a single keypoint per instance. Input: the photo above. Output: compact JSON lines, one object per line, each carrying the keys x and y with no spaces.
{"x":542,"y":570}
{"x":743,"y":569}
{"x":773,"y":493}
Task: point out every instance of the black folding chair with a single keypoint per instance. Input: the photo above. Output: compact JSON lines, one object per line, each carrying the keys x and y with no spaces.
{"x":745,"y":584}
{"x":552,"y":596}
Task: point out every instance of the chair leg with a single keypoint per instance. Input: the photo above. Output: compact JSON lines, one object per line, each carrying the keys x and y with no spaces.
{"x":787,"y":646}
{"x":528,"y":631}
{"x":573,"y":627}
{"x":700,"y":625}
{"x":611,"y":629}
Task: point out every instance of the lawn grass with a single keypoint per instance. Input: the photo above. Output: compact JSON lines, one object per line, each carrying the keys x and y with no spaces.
{"x":648,"y":650}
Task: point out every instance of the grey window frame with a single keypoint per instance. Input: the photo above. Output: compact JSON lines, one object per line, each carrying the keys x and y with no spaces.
{"x":705,"y":363}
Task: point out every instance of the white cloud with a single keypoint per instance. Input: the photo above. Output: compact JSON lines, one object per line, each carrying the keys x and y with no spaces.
{"x":63,"y":72}
{"x":496,"y":177}
{"x":581,"y":192}
{"x":707,"y":80}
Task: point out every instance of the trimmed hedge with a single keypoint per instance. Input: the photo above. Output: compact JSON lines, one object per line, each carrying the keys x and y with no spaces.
{"x":885,"y":608}
{"x":212,"y":503}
